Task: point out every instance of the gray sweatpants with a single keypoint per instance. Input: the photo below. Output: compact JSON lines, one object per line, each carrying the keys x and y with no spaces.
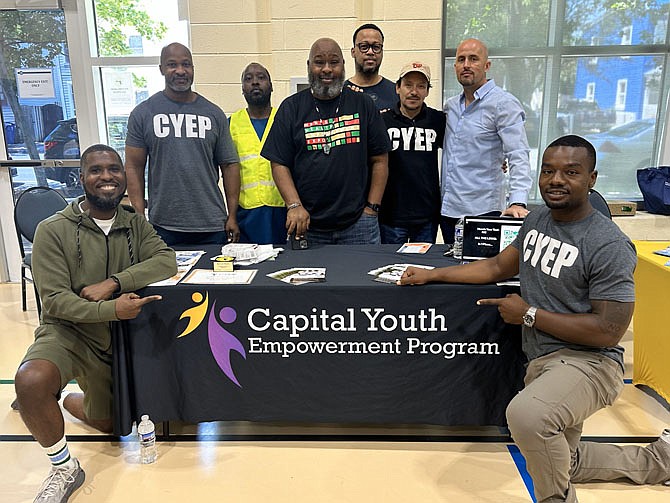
{"x":562,"y":389}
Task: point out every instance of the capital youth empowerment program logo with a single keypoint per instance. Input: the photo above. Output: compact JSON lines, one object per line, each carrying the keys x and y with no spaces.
{"x":221,"y":341}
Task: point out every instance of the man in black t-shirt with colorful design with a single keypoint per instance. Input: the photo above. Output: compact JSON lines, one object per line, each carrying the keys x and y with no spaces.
{"x":328,"y":148}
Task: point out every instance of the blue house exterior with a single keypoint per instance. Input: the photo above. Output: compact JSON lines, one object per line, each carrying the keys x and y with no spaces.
{"x":625,"y":84}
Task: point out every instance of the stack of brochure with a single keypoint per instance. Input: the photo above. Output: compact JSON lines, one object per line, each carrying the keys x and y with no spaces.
{"x":393,"y":272}
{"x":414,"y":248}
{"x":248,"y":254}
{"x":300,"y":275}
{"x":185,"y":261}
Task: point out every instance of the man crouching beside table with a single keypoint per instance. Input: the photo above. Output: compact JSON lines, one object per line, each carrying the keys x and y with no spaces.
{"x":577,"y":296}
{"x":87,"y":260}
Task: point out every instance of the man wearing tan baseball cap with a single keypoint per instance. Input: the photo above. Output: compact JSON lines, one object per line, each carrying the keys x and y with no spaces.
{"x":410,"y":210}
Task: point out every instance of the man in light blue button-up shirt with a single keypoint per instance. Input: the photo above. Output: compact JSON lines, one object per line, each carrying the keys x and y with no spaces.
{"x":485,"y":126}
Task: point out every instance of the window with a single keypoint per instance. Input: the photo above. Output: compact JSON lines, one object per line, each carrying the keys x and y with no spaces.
{"x":590,"y":92}
{"x":575,"y":70}
{"x":621,"y":90}
{"x":651,"y":93}
{"x":36,"y":85}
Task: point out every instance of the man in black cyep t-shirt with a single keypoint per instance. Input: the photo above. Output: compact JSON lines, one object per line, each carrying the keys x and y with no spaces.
{"x":411,"y":206}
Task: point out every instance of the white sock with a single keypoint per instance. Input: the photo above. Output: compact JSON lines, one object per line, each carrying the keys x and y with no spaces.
{"x":59,"y":454}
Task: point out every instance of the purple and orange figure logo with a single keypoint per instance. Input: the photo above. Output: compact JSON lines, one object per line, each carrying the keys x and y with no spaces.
{"x":221,"y":341}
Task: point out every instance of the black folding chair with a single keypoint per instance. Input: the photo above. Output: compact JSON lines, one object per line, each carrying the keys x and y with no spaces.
{"x":598,"y":202}
{"x":33,"y":205}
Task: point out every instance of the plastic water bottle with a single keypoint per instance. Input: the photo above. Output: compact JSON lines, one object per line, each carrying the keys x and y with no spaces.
{"x":458,"y":239}
{"x":147,"y":433}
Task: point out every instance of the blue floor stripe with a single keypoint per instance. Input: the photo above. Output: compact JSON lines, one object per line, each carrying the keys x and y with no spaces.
{"x":520,"y":463}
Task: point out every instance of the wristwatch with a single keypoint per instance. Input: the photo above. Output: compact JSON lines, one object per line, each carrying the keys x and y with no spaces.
{"x":373,"y":206}
{"x":523,"y":205}
{"x":529,"y":317}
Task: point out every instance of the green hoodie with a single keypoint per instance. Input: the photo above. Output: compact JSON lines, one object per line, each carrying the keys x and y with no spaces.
{"x":71,"y":252}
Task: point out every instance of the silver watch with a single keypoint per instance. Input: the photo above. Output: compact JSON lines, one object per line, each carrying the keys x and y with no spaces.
{"x":529,"y":317}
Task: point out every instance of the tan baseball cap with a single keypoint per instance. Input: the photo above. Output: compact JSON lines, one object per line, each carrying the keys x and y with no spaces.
{"x":415,"y":66}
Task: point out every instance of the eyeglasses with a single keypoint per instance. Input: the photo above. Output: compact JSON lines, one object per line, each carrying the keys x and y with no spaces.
{"x":365,"y":47}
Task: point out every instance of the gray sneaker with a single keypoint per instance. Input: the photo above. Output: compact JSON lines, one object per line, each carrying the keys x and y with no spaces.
{"x":665,"y":437}
{"x":60,"y":484}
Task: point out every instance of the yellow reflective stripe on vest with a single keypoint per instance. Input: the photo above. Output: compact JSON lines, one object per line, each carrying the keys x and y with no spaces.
{"x":251,"y":185}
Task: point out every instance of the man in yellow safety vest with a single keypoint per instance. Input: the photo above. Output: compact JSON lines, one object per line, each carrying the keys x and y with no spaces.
{"x":262,"y":212}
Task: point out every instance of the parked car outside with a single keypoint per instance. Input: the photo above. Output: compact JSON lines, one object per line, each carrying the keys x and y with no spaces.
{"x":23,"y":178}
{"x":620,"y":152}
{"x":63,"y":143}
{"x":582,"y":116}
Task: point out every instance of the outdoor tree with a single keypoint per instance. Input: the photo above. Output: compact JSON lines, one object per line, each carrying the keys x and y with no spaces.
{"x":114,"y":16}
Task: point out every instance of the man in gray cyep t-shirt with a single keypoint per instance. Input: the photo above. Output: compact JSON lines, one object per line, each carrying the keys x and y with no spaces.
{"x":577,"y":296}
{"x":187,"y":141}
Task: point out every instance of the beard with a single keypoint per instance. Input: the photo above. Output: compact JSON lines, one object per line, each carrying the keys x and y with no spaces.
{"x":556,"y":206}
{"x":179,"y":88}
{"x":257,"y":100}
{"x":107,"y":203}
{"x":326,"y":91}
{"x":367,"y":70}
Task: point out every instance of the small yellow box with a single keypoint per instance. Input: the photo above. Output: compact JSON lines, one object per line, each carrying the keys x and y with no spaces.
{"x":223,"y":264}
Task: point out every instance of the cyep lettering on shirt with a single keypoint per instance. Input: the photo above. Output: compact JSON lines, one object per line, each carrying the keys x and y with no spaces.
{"x":181,"y":125}
{"x":415,"y":139}
{"x":551,"y":254}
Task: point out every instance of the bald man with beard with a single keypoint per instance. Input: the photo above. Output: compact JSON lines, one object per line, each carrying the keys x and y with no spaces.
{"x":328,"y":149}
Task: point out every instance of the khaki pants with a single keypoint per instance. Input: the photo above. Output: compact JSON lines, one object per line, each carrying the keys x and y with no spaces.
{"x":562,"y":389}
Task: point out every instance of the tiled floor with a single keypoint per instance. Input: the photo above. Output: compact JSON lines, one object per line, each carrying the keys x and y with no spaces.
{"x":266,"y":470}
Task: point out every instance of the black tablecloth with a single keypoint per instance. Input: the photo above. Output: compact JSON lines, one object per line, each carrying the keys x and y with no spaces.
{"x":347,"y":350}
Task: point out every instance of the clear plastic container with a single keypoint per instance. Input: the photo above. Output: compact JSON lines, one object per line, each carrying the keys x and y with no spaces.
{"x":147,"y":433}
{"x":458,"y":239}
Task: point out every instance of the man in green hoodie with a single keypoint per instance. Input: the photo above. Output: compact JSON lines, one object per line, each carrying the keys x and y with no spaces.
{"x":87,"y":260}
